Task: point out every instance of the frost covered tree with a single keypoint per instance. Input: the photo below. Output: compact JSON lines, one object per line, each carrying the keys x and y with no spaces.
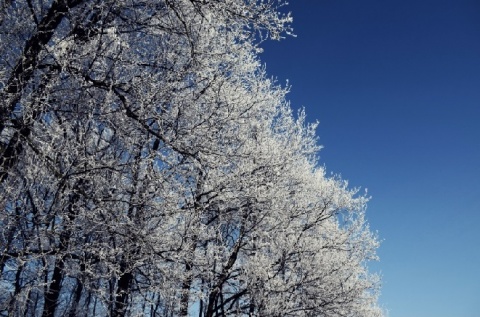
{"x":149,"y":167}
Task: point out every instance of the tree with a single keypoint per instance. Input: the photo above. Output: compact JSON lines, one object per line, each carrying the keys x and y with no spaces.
{"x":149,"y":167}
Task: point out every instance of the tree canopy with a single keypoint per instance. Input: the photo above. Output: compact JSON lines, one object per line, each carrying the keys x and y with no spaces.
{"x":150,"y":167}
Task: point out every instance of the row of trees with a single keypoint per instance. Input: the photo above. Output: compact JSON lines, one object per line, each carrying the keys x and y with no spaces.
{"x":149,"y":167}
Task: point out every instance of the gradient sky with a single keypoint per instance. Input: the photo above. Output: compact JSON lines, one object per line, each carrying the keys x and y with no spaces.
{"x":396,"y":88}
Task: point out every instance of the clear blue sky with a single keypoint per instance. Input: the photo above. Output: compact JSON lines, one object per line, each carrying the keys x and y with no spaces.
{"x":396,"y":88}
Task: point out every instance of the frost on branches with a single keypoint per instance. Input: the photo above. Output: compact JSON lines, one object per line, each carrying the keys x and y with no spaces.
{"x":148,"y":167}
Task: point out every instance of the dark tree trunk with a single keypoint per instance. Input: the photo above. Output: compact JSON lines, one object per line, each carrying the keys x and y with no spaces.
{"x":185,"y":290}
{"x":51,"y":297}
{"x":18,"y":287}
{"x":78,"y":294}
{"x":53,"y":293}
{"x":122,"y":293}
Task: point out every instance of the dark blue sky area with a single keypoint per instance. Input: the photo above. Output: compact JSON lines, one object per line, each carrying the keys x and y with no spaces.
{"x":396,"y":88}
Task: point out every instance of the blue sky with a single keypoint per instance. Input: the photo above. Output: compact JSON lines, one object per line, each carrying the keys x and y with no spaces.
{"x":396,"y":88}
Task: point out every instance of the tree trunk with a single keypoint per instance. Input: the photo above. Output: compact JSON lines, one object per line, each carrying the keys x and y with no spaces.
{"x":121,"y":296}
{"x":78,"y":293}
{"x":51,"y":297}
